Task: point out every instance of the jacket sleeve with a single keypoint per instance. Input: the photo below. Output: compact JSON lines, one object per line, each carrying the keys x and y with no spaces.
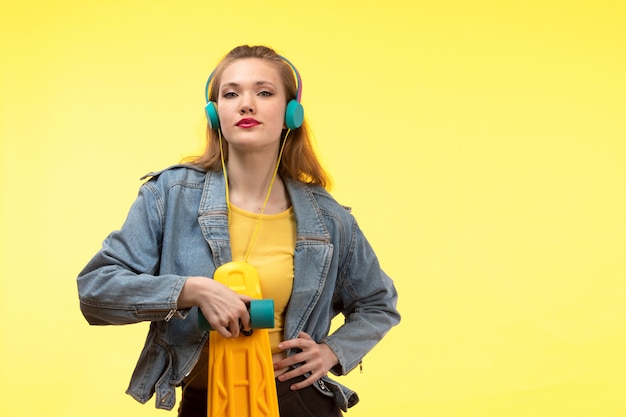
{"x":367,"y":298}
{"x":120,"y":284}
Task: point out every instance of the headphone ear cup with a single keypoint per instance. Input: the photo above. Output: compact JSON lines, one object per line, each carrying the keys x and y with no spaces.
{"x":211,"y":114}
{"x":294,"y":115}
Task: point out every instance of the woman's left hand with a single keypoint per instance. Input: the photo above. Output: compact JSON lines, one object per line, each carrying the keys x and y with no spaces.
{"x":316,"y":358}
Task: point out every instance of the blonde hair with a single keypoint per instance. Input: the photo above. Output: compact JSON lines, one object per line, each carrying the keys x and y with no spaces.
{"x":299,"y":161}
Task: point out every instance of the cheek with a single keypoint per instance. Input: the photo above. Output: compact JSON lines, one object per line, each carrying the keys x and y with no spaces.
{"x":225,"y":113}
{"x":222,"y":108}
{"x":279,"y":114}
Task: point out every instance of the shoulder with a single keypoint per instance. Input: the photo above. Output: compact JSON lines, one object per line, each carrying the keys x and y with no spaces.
{"x":176,"y":174}
{"x":327,"y":200}
{"x":323,"y":199}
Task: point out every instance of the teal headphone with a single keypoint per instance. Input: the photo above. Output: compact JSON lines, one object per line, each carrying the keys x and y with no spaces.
{"x":294,"y":113}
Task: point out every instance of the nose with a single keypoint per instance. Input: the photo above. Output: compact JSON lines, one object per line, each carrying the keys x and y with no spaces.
{"x":247,"y":104}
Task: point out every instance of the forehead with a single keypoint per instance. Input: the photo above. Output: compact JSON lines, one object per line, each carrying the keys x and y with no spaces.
{"x":251,"y":70}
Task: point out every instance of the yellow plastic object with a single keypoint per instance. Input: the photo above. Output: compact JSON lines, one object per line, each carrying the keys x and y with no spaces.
{"x":241,"y":373}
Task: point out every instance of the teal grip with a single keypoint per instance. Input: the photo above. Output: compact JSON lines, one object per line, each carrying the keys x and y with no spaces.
{"x":261,"y":316}
{"x":203,"y":324}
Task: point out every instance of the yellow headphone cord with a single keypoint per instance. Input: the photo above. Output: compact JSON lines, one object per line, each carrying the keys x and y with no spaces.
{"x":258,"y":225}
{"x":267,"y":196}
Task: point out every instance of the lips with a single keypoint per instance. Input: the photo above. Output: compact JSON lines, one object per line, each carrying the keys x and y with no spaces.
{"x":248,"y":123}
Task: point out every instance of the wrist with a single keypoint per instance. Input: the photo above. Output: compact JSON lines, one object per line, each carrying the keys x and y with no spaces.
{"x":188,"y":296}
{"x":330,"y":357}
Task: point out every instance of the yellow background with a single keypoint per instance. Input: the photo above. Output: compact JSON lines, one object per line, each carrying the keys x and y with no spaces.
{"x":480,"y":144}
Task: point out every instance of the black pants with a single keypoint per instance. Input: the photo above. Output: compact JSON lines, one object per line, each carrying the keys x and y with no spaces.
{"x":306,"y":402}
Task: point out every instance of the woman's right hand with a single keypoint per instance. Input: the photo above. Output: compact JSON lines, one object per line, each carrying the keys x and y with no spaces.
{"x":224,"y":309}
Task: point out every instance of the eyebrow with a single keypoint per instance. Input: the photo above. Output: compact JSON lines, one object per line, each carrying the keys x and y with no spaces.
{"x":258,"y":83}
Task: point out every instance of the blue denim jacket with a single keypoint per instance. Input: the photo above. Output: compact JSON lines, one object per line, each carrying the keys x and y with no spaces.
{"x":178,"y":227}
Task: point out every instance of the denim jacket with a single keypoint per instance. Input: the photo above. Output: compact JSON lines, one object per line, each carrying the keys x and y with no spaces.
{"x":178,"y":227}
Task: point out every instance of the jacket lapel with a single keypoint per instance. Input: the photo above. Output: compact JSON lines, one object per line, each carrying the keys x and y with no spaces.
{"x":312,"y":258}
{"x":213,"y":218}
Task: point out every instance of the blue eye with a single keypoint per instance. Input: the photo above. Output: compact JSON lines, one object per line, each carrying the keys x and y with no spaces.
{"x":229,"y":94}
{"x":266,"y":94}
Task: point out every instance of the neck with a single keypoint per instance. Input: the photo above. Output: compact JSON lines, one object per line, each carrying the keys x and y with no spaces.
{"x":249,"y":178}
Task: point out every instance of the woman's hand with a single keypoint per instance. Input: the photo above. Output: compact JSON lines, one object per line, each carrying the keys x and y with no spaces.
{"x":316,"y":358}
{"x":224,"y":309}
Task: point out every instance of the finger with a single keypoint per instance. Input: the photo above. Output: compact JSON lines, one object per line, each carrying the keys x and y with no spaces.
{"x":310,"y":380}
{"x":243,"y":313}
{"x":233,"y":326}
{"x":245,"y":321}
{"x":288,"y":361}
{"x":223,"y":331}
{"x":292,"y":373}
{"x":305,"y":336}
{"x":298,"y":343}
{"x":303,"y":384}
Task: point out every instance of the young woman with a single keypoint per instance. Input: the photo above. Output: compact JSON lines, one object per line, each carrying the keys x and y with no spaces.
{"x":257,"y":195}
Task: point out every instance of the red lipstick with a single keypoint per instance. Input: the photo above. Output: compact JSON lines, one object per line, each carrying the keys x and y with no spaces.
{"x":248,"y":123}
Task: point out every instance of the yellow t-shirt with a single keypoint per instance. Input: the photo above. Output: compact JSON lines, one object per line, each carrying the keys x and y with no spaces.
{"x":271,"y":255}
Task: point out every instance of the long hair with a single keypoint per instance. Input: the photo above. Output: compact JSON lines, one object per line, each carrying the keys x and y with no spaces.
{"x":299,"y":161}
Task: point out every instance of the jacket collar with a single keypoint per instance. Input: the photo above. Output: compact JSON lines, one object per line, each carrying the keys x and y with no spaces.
{"x":310,"y":224}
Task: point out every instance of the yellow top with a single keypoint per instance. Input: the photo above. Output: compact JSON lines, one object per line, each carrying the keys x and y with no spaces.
{"x":271,"y":255}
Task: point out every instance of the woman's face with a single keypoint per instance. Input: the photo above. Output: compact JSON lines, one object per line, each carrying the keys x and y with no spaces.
{"x":251,"y":104}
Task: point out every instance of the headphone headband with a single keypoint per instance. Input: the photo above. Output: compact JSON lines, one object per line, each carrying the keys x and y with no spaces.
{"x":298,"y":79}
